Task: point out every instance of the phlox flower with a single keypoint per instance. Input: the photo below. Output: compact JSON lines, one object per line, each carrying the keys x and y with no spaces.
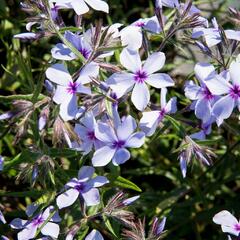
{"x":138,"y":76}
{"x":202,"y":96}
{"x":66,"y":90}
{"x":150,"y":120}
{"x":213,"y":35}
{"x":117,"y":138}
{"x":228,"y":222}
{"x":84,"y":187}
{"x":132,"y":36}
{"x":81,"y":6}
{"x":30,"y":227}
{"x":230,"y":87}
{"x":86,"y":132}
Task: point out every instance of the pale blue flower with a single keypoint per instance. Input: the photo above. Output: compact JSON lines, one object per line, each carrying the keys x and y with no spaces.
{"x":84,"y":187}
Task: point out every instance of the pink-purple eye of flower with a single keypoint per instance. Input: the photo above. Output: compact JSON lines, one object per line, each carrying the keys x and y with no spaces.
{"x":162,"y":113}
{"x":91,"y":136}
{"x":85,"y":52}
{"x":237,"y":227}
{"x":72,"y":87}
{"x":139,"y":24}
{"x":207,"y":94}
{"x":37,"y":220}
{"x":79,"y":187}
{"x":140,"y":76}
{"x":235,"y":92}
{"x":118,"y":144}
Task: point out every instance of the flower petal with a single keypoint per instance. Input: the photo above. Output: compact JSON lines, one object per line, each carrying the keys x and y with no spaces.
{"x":105,"y":133}
{"x":67,"y":198}
{"x":18,"y":223}
{"x":90,"y":70}
{"x":91,"y":197}
{"x":223,"y":108}
{"x":121,"y":156}
{"x":61,"y":95}
{"x":58,"y":74}
{"x":51,"y":229}
{"x":218,"y":85}
{"x":149,"y":122}
{"x":225,"y":218}
{"x":28,"y":232}
{"x":160,"y":80}
{"x":204,"y":71}
{"x":140,"y":96}
{"x":130,"y":60}
{"x":154,"y":62}
{"x":79,"y":6}
{"x":98,"y":5}
{"x":98,"y":181}
{"x":126,"y":127}
{"x":85,"y":173}
{"x":103,"y":156}
{"x":131,"y":37}
{"x":136,"y":140}
{"x":94,"y":235}
{"x":121,"y":83}
{"x":62,"y":52}
{"x":68,"y":110}
{"x":203,"y":110}
{"x":234,"y":72}
{"x":171,"y":106}
{"x":192,"y":90}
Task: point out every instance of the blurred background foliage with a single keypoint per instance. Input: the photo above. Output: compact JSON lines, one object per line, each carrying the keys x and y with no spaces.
{"x":190,"y":203}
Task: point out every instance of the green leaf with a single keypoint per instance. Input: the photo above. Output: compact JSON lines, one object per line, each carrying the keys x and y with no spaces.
{"x":125,"y":183}
{"x":25,"y":156}
{"x":177,"y":125}
{"x":109,"y":226}
{"x":68,"y":153}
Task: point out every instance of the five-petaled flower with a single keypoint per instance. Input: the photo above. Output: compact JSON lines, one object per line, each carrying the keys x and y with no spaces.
{"x":116,"y":137}
{"x":67,"y":89}
{"x":84,"y":187}
{"x":139,"y":75}
{"x":30,"y":227}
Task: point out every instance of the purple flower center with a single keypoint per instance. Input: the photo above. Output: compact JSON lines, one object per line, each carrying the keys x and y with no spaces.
{"x":37,"y":220}
{"x":85,"y":52}
{"x":79,"y":187}
{"x":139,"y":24}
{"x":118,"y":144}
{"x":207,"y":94}
{"x":162,"y":113}
{"x":72,"y":87}
{"x":140,"y":76}
{"x":237,"y":227}
{"x":91,"y":136}
{"x":235,"y":92}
